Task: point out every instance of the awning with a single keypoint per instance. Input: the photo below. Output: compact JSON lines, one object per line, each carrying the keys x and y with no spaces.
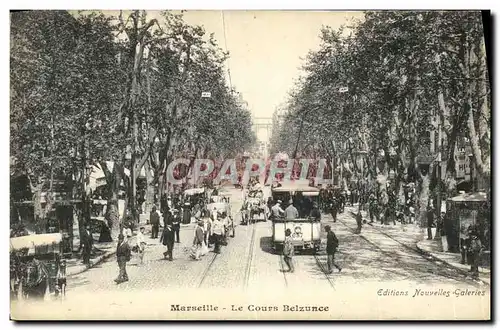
{"x":194,"y":191}
{"x":30,"y":241}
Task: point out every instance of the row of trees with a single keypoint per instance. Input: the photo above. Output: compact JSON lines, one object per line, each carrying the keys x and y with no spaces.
{"x":412,"y":77}
{"x":87,"y":88}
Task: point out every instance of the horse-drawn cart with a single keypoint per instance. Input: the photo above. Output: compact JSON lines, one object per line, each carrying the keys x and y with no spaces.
{"x":37,"y":267}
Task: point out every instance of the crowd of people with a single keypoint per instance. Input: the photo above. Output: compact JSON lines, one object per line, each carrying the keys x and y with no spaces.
{"x":211,"y":230}
{"x":212,"y":227}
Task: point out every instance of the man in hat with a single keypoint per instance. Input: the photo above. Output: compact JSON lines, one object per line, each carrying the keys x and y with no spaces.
{"x":87,"y":242}
{"x":476,"y":248}
{"x":122,"y":256}
{"x":168,"y":239}
{"x":276,"y":210}
{"x":334,"y":208}
{"x":154,"y":219}
{"x":199,"y":237}
{"x":291,"y":211}
{"x":332,"y":244}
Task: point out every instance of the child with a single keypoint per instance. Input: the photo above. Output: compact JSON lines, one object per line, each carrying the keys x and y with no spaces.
{"x":141,"y":244}
{"x":288,"y":250}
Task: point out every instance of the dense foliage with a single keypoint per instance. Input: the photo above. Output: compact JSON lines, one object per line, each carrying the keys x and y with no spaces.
{"x":410,"y":75}
{"x":87,"y":88}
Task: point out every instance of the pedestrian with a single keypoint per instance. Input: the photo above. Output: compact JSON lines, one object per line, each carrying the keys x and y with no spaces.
{"x":332,"y":244}
{"x":217,"y":232}
{"x":430,"y":221}
{"x":87,"y":241}
{"x":141,"y":244}
{"x":170,"y":204}
{"x":465,"y":244}
{"x":225,"y":224}
{"x":341,"y":200}
{"x":288,"y":251}
{"x":392,"y":207}
{"x":334,"y":208}
{"x":154,"y":219}
{"x":176,"y":225}
{"x":476,"y":248}
{"x":207,"y":231}
{"x":198,"y":240}
{"x":291,"y":211}
{"x":168,"y":239}
{"x":197,"y":212}
{"x":372,"y":207}
{"x":127,"y":231}
{"x":123,"y":254}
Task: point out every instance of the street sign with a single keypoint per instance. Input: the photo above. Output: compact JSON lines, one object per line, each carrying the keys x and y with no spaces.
{"x":343,"y":89}
{"x":206,"y":94}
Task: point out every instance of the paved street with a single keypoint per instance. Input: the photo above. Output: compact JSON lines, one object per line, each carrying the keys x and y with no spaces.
{"x":382,"y":257}
{"x":248,"y":262}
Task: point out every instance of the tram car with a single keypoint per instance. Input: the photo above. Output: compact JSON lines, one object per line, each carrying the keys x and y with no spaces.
{"x":305,"y":229}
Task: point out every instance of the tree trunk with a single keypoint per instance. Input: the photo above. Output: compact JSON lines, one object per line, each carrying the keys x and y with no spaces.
{"x":423,"y":198}
{"x":38,"y":208}
{"x":482,"y":167}
{"x":150,"y":189}
{"x":113,"y":180}
{"x":479,"y":140}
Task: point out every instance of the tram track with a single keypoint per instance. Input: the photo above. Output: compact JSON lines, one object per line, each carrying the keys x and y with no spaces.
{"x":282,"y":269}
{"x":248,"y":265}
{"x":425,"y":256}
{"x":207,"y":270}
{"x":324,"y":271}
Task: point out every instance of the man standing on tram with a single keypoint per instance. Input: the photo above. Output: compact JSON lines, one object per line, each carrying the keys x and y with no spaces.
{"x":277,"y":211}
{"x":291,"y":212}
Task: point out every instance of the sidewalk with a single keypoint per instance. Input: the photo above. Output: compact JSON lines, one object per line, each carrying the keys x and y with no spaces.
{"x":103,"y":251}
{"x":433,"y":248}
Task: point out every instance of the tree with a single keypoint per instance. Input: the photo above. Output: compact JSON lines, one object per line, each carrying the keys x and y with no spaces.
{"x":409,"y":76}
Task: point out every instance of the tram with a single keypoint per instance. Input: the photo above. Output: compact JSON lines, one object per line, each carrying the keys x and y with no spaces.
{"x":305,"y":229}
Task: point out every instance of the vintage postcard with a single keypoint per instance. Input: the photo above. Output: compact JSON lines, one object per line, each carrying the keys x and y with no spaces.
{"x":250,"y":165}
